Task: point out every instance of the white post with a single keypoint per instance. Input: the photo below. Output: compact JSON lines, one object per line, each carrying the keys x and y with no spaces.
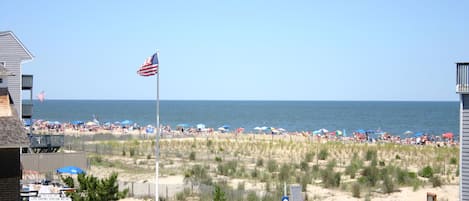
{"x":158,"y":131}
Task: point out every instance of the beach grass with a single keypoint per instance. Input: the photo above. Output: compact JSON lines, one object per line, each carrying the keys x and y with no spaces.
{"x":242,"y":164}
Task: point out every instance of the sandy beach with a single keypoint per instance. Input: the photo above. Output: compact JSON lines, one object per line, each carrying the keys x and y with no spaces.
{"x":134,"y":161}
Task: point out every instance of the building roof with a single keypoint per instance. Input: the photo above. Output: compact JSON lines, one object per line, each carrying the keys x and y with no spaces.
{"x":12,"y":133}
{"x":19,"y":42}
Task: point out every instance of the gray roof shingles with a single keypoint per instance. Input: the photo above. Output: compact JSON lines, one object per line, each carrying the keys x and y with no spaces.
{"x":12,"y":132}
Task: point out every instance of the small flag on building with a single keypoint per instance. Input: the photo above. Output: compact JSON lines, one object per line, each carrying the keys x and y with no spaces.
{"x":150,"y":67}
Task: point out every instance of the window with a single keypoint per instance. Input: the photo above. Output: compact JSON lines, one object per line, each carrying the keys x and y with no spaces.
{"x":2,"y":64}
{"x":1,"y":80}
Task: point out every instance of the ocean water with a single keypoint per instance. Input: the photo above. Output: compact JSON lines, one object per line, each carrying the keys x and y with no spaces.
{"x":393,"y":117}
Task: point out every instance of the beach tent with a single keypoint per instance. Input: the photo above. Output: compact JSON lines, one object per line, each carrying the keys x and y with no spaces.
{"x":70,"y":170}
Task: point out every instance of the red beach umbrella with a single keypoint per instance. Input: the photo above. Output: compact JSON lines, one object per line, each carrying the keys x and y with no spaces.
{"x":448,"y":135}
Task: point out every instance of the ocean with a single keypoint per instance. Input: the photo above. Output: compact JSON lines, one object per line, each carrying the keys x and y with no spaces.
{"x":394,"y":117}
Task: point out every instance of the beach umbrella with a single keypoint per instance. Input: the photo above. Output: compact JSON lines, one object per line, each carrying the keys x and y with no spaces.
{"x":448,"y":135}
{"x":182,"y":125}
{"x":320,"y":131}
{"x":27,"y":122}
{"x":117,"y":123}
{"x":360,"y":131}
{"x":200,"y":126}
{"x":77,"y":122}
{"x":419,"y":134}
{"x":264,"y":128}
{"x":408,"y":133}
{"x":338,"y":132}
{"x":70,"y":170}
{"x":90,"y":123}
{"x":126,"y":122}
{"x":226,"y":127}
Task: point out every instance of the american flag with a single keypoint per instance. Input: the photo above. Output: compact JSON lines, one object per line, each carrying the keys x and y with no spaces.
{"x":41,"y":96}
{"x":149,"y":67}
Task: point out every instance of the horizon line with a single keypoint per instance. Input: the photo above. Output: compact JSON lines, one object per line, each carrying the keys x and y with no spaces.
{"x":295,"y":100}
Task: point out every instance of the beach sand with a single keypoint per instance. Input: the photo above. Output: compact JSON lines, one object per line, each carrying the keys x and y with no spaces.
{"x":447,"y":192}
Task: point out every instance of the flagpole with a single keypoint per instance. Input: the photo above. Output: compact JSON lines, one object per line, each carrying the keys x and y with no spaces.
{"x":157,"y":144}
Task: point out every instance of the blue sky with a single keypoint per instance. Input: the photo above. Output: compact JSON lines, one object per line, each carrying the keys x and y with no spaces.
{"x":243,"y":50}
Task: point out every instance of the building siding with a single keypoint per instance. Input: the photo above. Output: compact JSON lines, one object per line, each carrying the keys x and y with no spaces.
{"x":12,"y":53}
{"x":464,"y":140}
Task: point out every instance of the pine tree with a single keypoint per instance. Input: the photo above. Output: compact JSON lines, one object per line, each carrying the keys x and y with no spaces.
{"x":91,"y":188}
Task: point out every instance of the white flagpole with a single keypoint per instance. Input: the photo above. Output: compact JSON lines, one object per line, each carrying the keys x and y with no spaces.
{"x":157,"y":144}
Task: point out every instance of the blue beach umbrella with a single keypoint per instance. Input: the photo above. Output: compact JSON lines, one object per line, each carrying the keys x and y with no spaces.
{"x":70,"y":170}
{"x":78,"y":122}
{"x":126,"y":122}
{"x":360,"y":131}
{"x":419,"y":134}
{"x":182,"y":125}
{"x":27,"y":122}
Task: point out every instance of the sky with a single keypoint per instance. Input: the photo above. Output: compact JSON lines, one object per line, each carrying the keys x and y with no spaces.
{"x":243,"y":50}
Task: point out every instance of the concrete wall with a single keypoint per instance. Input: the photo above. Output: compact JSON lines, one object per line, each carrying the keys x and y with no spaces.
{"x":49,"y":162}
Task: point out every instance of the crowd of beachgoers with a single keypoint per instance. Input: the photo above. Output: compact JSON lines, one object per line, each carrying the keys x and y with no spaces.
{"x":182,"y":130}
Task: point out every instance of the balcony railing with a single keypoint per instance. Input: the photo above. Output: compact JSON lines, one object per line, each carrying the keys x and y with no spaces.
{"x":27,"y":110}
{"x":27,"y":82}
{"x":46,"y":141}
{"x":462,"y":77}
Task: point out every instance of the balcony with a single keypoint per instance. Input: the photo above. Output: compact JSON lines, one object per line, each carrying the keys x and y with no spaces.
{"x":27,"y":82}
{"x":46,"y":143}
{"x":27,"y":110}
{"x":462,"y":78}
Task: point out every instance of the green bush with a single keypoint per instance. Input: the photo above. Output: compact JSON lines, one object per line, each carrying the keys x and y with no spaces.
{"x":330,"y":178}
{"x":218,"y":159}
{"x":398,"y":157}
{"x":426,"y":172}
{"x":252,"y":196}
{"x":284,"y":174}
{"x":309,"y":156}
{"x":436,"y":181}
{"x":254,"y":173}
{"x":370,"y":175}
{"x":323,"y":154}
{"x":272,"y":165}
{"x":388,"y":184}
{"x":304,"y":166}
{"x":356,"y":190}
{"x":453,"y":161}
{"x":260,"y":162}
{"x":354,"y":166}
{"x":371,"y":154}
{"x":192,"y":156}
